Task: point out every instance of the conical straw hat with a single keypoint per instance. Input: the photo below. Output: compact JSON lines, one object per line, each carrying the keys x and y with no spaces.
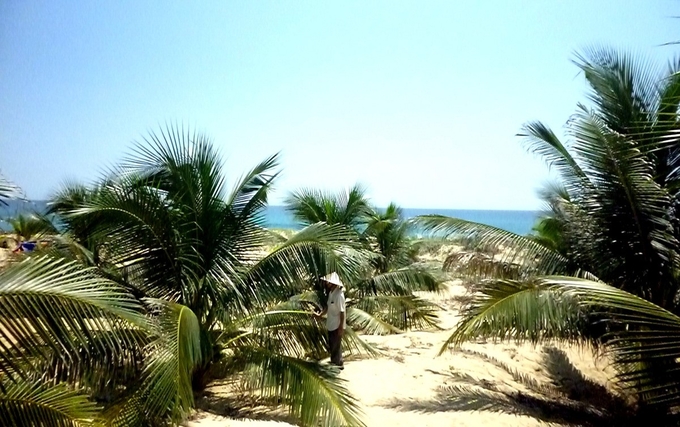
{"x":333,"y":279}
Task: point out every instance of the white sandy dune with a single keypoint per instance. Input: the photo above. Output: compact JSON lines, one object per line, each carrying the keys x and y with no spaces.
{"x":406,"y":387}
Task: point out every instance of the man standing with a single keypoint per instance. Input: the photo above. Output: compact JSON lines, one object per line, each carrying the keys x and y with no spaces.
{"x":335,"y":316}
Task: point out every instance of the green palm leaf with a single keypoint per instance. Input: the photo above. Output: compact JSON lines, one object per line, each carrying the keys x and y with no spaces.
{"x":249,"y":196}
{"x":178,"y":161}
{"x":368,"y":323}
{"x":349,"y":208}
{"x":311,"y":392}
{"x":623,"y":87}
{"x":36,"y":404}
{"x":642,"y":338}
{"x":29,"y":227}
{"x":522,"y":250}
{"x":388,"y":233}
{"x":294,"y":332}
{"x":540,"y":140}
{"x":9,"y":190}
{"x":400,"y":282}
{"x":137,"y":225}
{"x":313,"y":252}
{"x":475,"y":266}
{"x":173,"y":355}
{"x":53,"y":306}
{"x":522,"y":311}
{"x":627,"y":201}
{"x":401,"y":311}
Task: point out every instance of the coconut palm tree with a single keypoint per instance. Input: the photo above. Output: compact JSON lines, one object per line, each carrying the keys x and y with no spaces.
{"x":31,"y":226}
{"x":198,"y":294}
{"x":612,"y":221}
{"x":349,"y":208}
{"x":381,"y":299}
{"x":389,"y":236}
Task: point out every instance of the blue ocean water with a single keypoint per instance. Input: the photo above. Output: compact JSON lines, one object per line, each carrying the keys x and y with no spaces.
{"x":519,"y":222}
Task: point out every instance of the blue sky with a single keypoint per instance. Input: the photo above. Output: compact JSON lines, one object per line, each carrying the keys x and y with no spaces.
{"x":420,"y":101}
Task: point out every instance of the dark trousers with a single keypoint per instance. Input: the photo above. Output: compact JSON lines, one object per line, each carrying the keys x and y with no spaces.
{"x":335,"y":344}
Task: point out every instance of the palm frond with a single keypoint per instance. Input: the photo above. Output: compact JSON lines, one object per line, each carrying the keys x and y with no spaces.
{"x":368,"y":323}
{"x":627,"y":201}
{"x":308,"y":206}
{"x":540,"y":140}
{"x":250,"y":193}
{"x":388,"y":233}
{"x":32,"y":226}
{"x":642,"y":338}
{"x":475,"y":266}
{"x":349,"y":208}
{"x":522,"y":311}
{"x":401,"y":311}
{"x":311,"y":392}
{"x":35,"y":404}
{"x":624,"y":87}
{"x":355,"y":205}
{"x":52,"y":307}
{"x":9,"y":190}
{"x":399,"y":282}
{"x":129,"y":411}
{"x":520,"y":249}
{"x":295,"y":332}
{"x":179,"y":161}
{"x":173,"y":355}
{"x":66,"y":245}
{"x":80,"y":230}
{"x":137,"y":225}
{"x":313,"y":252}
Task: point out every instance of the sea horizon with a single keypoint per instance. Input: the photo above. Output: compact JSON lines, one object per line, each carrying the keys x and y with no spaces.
{"x":277,"y":217}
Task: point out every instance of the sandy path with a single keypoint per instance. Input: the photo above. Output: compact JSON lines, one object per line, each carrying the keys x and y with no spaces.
{"x":402,"y":388}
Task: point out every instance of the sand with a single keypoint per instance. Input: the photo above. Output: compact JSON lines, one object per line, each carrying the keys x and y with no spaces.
{"x":4,"y":256}
{"x":407,"y":386}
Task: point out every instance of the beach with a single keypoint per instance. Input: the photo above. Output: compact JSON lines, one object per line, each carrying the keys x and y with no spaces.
{"x":406,"y":386}
{"x":203,"y":204}
{"x":410,"y":384}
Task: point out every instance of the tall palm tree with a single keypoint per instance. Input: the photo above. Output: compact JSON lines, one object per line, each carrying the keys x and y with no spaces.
{"x":612,"y":219}
{"x":163,"y":230}
{"x":382,"y":299}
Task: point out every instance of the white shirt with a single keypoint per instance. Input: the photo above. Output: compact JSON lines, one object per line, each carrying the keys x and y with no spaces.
{"x":336,"y":305}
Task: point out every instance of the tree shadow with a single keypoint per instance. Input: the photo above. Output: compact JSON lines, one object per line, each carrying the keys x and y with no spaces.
{"x":462,"y":300}
{"x":569,"y":398}
{"x":233,"y":404}
{"x":571,"y":382}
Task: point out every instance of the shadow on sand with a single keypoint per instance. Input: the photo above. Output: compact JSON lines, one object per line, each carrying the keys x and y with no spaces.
{"x":240,"y":406}
{"x":569,"y":398}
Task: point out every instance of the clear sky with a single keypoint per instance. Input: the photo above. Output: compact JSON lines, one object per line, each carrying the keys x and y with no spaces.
{"x":420,"y":100}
